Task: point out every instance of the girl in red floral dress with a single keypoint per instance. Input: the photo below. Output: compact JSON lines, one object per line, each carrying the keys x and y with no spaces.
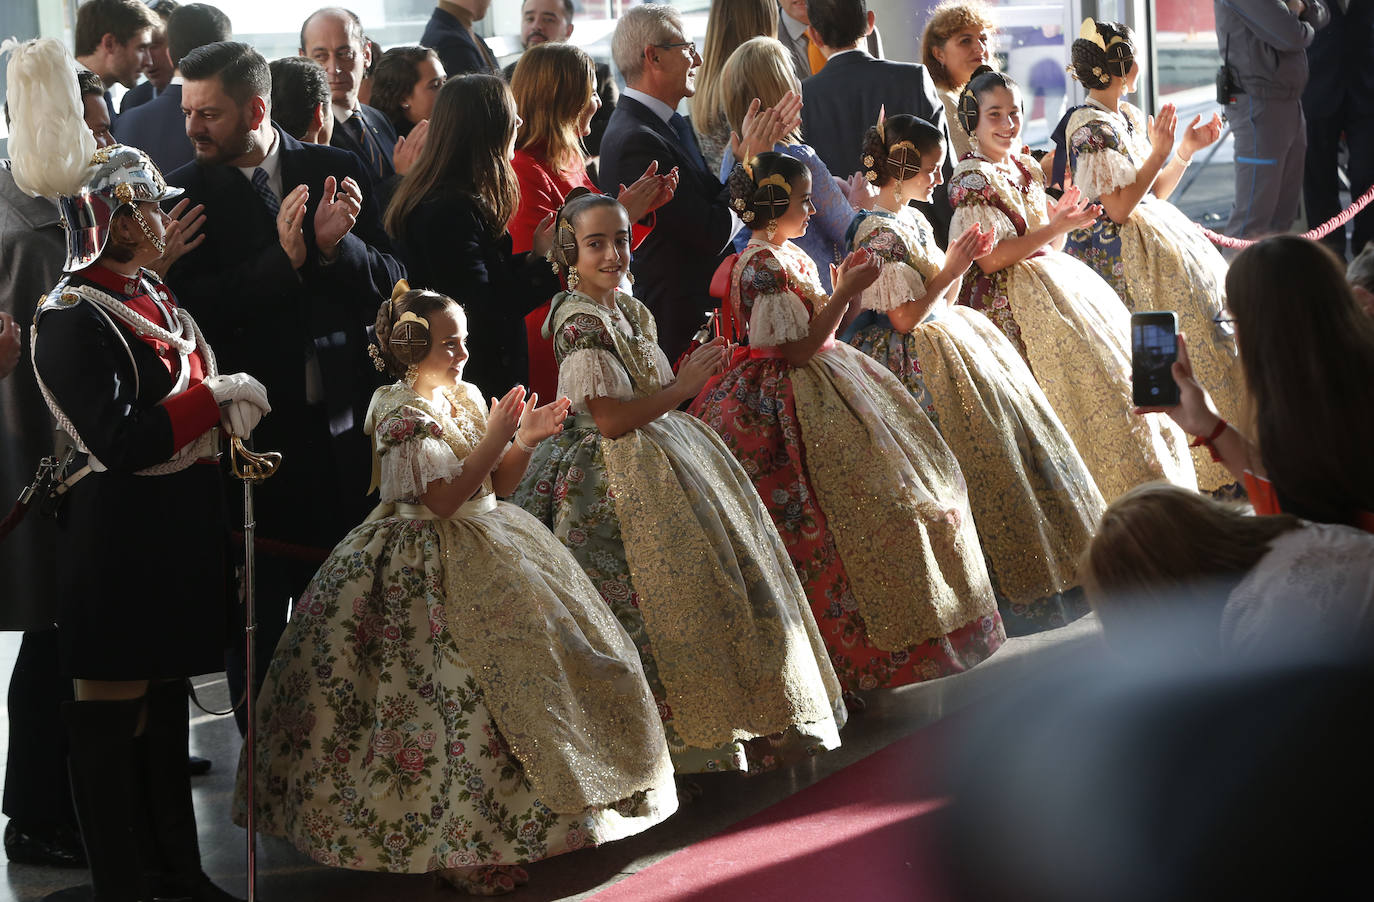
{"x":866,"y":495}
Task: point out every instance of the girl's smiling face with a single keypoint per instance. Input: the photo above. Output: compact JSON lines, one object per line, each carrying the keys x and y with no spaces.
{"x":793,"y":222}
{"x":603,"y":248}
{"x":448,"y":350}
{"x":999,"y":122}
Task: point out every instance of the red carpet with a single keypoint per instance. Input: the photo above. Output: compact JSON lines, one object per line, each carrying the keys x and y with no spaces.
{"x":865,"y":833}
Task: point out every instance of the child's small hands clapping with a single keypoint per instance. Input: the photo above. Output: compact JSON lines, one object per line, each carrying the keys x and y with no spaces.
{"x":505,"y":415}
{"x":541,"y":422}
{"x":703,"y":363}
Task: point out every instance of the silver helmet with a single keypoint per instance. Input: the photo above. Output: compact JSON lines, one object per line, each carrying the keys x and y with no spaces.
{"x":117,"y":175}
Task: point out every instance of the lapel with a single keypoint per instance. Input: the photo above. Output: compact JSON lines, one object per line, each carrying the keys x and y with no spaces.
{"x":649,"y":118}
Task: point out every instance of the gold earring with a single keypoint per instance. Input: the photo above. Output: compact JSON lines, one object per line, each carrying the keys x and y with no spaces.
{"x":573,"y":278}
{"x":772,"y":228}
{"x":899,"y":191}
{"x":973,"y":143}
{"x":412,"y":373}
{"x":631,"y":276}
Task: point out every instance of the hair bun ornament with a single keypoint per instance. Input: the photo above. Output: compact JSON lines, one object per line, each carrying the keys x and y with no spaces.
{"x":409,"y":338}
{"x":1088,"y":32}
{"x":968,"y":109}
{"x":772,"y":197}
{"x":903,"y":161}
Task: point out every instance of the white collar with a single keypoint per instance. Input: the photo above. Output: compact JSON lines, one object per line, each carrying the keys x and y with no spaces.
{"x":661,"y":109}
{"x":343,"y":114}
{"x":794,"y":28}
{"x":271,"y":164}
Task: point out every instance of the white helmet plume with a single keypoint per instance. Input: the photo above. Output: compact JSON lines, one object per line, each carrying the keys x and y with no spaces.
{"x":50,"y":144}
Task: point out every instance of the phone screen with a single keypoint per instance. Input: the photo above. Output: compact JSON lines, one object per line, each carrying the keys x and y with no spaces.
{"x":1154,"y":348}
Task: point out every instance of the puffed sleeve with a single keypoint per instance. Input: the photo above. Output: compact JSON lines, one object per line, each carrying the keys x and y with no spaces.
{"x":588,"y":364}
{"x":971,"y":195}
{"x":896,"y":284}
{"x":413,"y":454}
{"x":774,"y":312}
{"x":1101,"y":163}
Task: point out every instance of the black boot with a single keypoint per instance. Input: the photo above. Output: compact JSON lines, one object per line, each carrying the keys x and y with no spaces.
{"x":105,"y":769}
{"x":167,"y":782}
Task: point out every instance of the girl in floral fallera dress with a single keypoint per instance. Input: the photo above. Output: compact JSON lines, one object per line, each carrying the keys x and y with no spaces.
{"x":1150,"y":253}
{"x":867,"y":497}
{"x":668,"y":527}
{"x":1034,"y":502}
{"x":451,"y":694}
{"x":1063,"y":319}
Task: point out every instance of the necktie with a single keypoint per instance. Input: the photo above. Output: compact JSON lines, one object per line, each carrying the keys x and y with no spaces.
{"x":367,"y":141}
{"x":813,"y":54}
{"x":691,"y":152}
{"x":264,"y":190}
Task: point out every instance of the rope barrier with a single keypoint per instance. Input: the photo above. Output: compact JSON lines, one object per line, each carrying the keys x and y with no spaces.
{"x":1320,"y":232}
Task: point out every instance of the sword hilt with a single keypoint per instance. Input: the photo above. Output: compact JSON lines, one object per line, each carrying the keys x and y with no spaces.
{"x":252,"y":466}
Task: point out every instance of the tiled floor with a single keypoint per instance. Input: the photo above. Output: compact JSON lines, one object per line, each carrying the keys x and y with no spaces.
{"x":727,"y":798}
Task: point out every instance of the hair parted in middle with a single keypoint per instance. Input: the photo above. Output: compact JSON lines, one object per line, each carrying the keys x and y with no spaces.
{"x":983,"y":80}
{"x":897,"y":147}
{"x":552,"y":84}
{"x":761,"y":188}
{"x":563,"y":251}
{"x":1101,"y":51}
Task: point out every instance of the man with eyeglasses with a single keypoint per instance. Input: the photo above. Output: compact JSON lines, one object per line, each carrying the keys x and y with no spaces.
{"x":333,"y":37}
{"x":674,"y":264}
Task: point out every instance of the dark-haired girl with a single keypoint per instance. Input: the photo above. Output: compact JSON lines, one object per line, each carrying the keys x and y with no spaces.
{"x":1063,"y":319}
{"x":1141,"y":245}
{"x":451,"y":694}
{"x":865,"y":494}
{"x":405,"y":84}
{"x":1033,"y":499}
{"x":667,"y":526}
{"x":450,"y":220}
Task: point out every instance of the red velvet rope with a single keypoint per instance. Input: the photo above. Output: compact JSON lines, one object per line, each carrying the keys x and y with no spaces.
{"x":1320,"y":232}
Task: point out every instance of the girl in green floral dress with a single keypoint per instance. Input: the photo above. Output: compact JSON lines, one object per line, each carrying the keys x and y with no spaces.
{"x":451,"y":693}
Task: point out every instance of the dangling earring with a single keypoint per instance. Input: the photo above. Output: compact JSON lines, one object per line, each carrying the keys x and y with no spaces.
{"x":772,"y":228}
{"x":573,"y":278}
{"x":899,"y":192}
{"x":973,"y":143}
{"x":412,"y":373}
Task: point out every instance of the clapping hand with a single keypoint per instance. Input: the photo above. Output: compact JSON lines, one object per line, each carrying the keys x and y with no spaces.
{"x":860,"y":193}
{"x":541,"y":422}
{"x":290,"y":219}
{"x":336,"y":214}
{"x":505,"y":415}
{"x":180,"y":236}
{"x":1072,"y":212}
{"x":969,"y":246}
{"x":1199,"y":134}
{"x":649,"y":192}
{"x":858,"y":271}
{"x":764,"y":130}
{"x":703,"y":363}
{"x":408,"y":147}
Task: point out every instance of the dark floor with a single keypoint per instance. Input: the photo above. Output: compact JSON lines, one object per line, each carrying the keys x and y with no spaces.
{"x":727,"y":798}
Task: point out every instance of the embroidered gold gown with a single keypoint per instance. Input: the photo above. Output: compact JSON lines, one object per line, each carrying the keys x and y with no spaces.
{"x":865,"y":494}
{"x":672,"y":533}
{"x":1070,"y":328}
{"x":1034,"y":502}
{"x":452,"y":692}
{"x":1157,"y":259}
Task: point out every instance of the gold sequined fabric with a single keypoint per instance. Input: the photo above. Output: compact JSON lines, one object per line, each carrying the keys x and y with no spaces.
{"x":1034,"y":501}
{"x":558,"y":673}
{"x":737,"y":647}
{"x":1168,"y":264}
{"x":1077,"y":338}
{"x":894,"y":498}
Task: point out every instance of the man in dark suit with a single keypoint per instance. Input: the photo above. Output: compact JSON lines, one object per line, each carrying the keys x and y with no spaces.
{"x":449,"y":33}
{"x":111,"y":39}
{"x":334,"y":38}
{"x":691,"y":237}
{"x":158,"y":127}
{"x":292,"y":270}
{"x":807,"y":58}
{"x":843,"y":99}
{"x":161,"y":64}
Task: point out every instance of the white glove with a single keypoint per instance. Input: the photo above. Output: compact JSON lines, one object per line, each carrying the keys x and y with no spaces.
{"x":239,"y":417}
{"x":238,"y":387}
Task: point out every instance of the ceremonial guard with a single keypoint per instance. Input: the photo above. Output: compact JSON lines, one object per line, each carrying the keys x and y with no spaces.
{"x":142,"y":530}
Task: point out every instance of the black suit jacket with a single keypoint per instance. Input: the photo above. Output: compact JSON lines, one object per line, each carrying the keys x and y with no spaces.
{"x":158,"y":129}
{"x":1340,"y":75}
{"x":447,"y":247}
{"x":382,"y":131}
{"x":457,"y":49}
{"x":266,"y":318}
{"x":136,"y":96}
{"x":675,"y":262}
{"x":842,"y":100}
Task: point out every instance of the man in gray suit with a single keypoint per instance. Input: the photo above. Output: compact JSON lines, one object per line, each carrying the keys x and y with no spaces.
{"x":158,"y":127}
{"x":843,"y":99}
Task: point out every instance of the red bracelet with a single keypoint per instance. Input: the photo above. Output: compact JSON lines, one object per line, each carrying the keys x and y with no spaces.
{"x":1199,"y":441}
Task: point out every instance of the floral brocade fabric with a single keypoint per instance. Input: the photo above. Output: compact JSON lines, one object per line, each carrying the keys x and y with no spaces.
{"x":1033,"y":499}
{"x":1157,"y":259}
{"x":1071,"y":329}
{"x":452,"y":692}
{"x":867,"y":498}
{"x":672,"y":534}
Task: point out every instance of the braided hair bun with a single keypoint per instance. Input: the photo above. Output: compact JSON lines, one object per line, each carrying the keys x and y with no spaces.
{"x":761,"y":189}
{"x":403,"y":338}
{"x":896,"y":148}
{"x":1102,"y":50}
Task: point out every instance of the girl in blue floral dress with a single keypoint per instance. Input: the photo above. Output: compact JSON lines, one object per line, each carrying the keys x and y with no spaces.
{"x":1143,"y":246}
{"x":668,"y":526}
{"x":451,"y":694}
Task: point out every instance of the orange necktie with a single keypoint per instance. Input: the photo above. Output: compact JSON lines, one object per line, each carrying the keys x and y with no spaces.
{"x":814,"y":55}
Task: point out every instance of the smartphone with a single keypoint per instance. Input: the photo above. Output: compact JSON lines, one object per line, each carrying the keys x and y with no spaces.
{"x":1154,"y":348}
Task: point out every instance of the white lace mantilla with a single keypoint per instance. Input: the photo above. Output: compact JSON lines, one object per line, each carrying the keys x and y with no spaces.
{"x":593,"y":373}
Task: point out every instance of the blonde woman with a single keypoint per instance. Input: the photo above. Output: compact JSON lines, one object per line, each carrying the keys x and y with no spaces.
{"x":730,"y":24}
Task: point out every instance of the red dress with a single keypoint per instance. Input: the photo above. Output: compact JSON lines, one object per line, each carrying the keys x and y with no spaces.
{"x":542,"y":189}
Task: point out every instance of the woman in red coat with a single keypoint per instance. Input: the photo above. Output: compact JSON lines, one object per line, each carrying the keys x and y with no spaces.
{"x":555,"y":92}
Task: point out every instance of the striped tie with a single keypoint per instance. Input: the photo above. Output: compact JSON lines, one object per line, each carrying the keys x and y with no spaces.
{"x":368,"y":141}
{"x":265,"y":191}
